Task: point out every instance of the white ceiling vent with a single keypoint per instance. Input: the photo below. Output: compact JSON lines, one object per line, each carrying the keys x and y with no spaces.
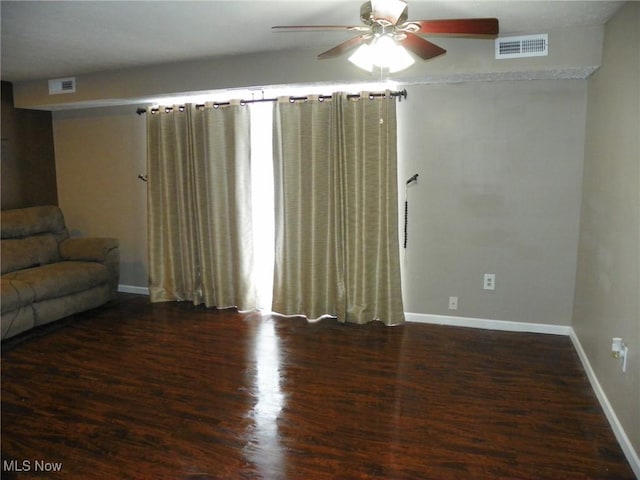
{"x":62,"y":85}
{"x":522,"y":46}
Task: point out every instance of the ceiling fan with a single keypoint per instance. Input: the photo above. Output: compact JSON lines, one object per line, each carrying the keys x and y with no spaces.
{"x":386,"y":25}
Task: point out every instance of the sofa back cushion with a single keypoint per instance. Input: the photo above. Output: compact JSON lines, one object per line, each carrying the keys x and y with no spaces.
{"x":30,"y":237}
{"x":23,"y":222}
{"x":19,"y":253}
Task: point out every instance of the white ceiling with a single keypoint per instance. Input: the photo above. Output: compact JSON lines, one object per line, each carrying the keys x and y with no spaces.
{"x":49,"y":39}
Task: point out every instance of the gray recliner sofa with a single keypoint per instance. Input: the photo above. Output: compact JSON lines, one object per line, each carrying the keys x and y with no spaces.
{"x":46,"y":275}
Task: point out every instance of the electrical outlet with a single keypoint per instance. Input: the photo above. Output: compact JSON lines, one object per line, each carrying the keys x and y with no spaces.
{"x":453,"y":303}
{"x":489,"y":281}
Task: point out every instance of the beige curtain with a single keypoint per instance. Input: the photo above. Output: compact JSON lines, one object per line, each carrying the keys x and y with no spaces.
{"x":335,"y":174}
{"x":199,"y":206}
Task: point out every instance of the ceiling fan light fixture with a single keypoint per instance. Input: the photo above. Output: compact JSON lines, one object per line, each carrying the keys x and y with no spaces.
{"x":389,"y":54}
{"x":401,"y":61}
{"x":362,"y":58}
{"x":383,"y":52}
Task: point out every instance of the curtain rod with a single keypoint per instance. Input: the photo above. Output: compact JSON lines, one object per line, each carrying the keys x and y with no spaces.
{"x":400,"y":94}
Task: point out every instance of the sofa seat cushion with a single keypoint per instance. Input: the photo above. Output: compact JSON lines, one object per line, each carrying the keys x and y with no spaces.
{"x":62,"y":278}
{"x":15,"y":294}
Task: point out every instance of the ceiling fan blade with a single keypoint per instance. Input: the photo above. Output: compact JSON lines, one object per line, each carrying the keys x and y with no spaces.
{"x":421,"y":47}
{"x":461,"y":26}
{"x":296,"y":28}
{"x":390,"y":10}
{"x":345,"y":46}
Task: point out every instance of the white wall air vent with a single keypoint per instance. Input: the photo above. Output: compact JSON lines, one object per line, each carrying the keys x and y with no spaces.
{"x":62,"y":85}
{"x":523,"y":46}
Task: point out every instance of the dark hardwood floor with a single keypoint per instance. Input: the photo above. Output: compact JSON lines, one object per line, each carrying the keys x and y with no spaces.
{"x":169,"y":391}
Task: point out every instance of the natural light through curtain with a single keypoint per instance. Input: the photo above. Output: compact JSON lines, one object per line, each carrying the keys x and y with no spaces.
{"x":262,"y":197}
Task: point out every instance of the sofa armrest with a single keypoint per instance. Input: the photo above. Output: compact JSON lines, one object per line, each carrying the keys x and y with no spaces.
{"x":95,"y":249}
{"x":88,"y":249}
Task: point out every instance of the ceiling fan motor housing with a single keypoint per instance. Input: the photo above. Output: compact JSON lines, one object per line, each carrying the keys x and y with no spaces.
{"x":388,"y":12}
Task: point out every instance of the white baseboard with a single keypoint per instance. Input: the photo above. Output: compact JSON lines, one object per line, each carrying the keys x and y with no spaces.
{"x":618,"y":430}
{"x":488,"y":324}
{"x":133,"y":289}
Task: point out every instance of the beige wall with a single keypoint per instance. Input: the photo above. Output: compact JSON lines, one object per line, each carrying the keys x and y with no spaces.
{"x":608,"y":275}
{"x":99,"y":153}
{"x":500,"y":168}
